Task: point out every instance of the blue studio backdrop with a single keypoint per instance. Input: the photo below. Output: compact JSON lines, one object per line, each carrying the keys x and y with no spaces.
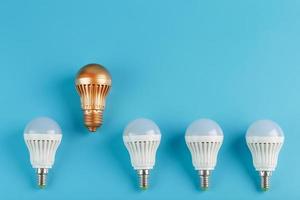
{"x":172,"y":61}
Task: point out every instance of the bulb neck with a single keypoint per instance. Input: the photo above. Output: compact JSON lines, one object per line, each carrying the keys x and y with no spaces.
{"x":42,"y":177}
{"x":143,"y":178}
{"x":204,"y":179}
{"x":93,"y":119}
{"x":265,"y":179}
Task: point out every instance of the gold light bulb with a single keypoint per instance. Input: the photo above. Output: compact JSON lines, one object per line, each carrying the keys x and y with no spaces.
{"x":93,"y":83}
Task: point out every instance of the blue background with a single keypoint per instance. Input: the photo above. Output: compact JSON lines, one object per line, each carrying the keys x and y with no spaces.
{"x":172,"y":61}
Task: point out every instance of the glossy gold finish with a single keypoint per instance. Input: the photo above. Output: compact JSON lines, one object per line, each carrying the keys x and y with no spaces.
{"x":93,"y":83}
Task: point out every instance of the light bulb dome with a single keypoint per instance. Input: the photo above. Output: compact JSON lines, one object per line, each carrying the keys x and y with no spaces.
{"x":204,"y":127}
{"x":43,"y":125}
{"x":140,"y":127}
{"x":264,"y":128}
{"x":94,"y":72}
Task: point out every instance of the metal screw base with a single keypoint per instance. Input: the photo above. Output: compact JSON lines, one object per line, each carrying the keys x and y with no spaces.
{"x":265,"y":179}
{"x":42,"y":177}
{"x":93,"y":119}
{"x":204,"y":178}
{"x":143,"y":178}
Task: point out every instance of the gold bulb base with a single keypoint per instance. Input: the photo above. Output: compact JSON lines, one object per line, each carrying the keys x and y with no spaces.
{"x":93,"y":119}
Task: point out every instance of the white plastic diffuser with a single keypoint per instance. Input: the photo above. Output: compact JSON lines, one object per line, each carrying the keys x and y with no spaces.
{"x":265,"y":139}
{"x":204,"y":138}
{"x":42,"y":137}
{"x":141,"y":138}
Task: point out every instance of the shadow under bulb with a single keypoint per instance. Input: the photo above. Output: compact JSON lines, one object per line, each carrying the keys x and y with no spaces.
{"x":93,"y":83}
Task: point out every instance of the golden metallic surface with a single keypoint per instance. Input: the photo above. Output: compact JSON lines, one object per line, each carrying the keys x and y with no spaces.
{"x":93,"y":83}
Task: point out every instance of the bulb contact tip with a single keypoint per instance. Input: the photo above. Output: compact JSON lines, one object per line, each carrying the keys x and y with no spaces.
{"x":92,"y":129}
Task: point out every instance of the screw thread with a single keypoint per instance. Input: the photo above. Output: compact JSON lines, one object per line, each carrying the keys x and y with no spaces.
{"x":143,"y":178}
{"x":42,"y":177}
{"x":93,"y":119}
{"x":265,"y":180}
{"x":143,"y":181}
{"x":204,"y":182}
{"x":204,"y":179}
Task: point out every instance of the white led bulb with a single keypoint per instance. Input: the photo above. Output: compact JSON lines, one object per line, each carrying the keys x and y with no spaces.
{"x":141,"y":138}
{"x":42,"y":137}
{"x":204,"y":138}
{"x":265,"y":139}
